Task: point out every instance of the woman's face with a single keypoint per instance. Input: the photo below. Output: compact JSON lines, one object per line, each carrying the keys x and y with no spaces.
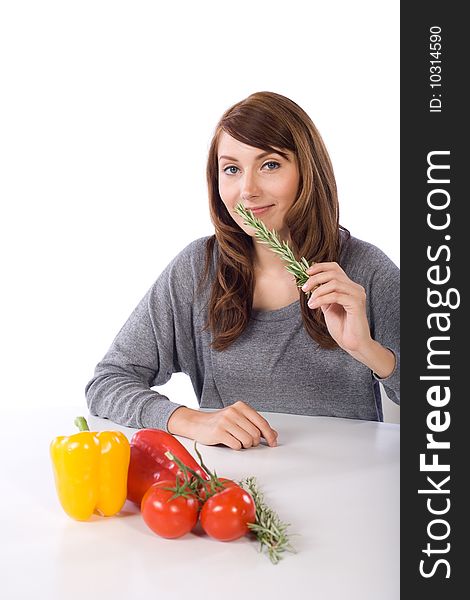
{"x":264,"y":182}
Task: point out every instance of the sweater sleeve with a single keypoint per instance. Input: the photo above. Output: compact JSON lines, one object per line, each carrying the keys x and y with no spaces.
{"x":149,"y":348}
{"x":384,"y":306}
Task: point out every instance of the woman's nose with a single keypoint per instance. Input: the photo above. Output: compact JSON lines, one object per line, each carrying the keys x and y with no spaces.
{"x":249,"y":186}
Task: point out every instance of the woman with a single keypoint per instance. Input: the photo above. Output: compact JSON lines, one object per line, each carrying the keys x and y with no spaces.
{"x":227,"y":312}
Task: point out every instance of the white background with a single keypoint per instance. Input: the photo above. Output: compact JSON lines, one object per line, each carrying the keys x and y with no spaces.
{"x":107,"y":110}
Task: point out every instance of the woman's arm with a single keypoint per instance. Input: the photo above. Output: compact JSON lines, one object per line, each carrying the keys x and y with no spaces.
{"x":136,"y":360}
{"x":343,"y":303}
{"x":154,"y":343}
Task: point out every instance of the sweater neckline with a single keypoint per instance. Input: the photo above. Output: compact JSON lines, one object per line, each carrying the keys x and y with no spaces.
{"x":280,"y":314}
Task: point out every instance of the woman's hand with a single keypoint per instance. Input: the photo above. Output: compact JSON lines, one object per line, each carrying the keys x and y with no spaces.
{"x":343,"y":303}
{"x":237,"y":426}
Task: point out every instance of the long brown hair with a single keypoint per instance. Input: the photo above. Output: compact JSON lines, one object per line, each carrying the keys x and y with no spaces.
{"x":270,"y":122}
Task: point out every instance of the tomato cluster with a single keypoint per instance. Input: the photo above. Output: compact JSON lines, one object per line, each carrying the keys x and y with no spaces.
{"x":222,"y":506}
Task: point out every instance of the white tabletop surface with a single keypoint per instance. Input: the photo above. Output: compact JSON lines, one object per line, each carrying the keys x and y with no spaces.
{"x":335,"y":480}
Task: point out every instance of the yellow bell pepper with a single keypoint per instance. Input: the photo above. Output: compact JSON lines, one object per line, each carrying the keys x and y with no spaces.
{"x":90,"y":471}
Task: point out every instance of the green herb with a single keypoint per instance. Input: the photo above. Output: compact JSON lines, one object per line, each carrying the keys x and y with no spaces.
{"x":271,"y":238}
{"x":269,"y":529}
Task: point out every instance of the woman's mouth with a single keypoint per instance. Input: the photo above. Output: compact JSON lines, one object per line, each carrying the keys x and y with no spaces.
{"x":260,"y":210}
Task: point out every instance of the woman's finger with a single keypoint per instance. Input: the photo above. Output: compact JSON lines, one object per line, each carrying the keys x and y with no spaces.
{"x":229,"y":440}
{"x":324,"y":266}
{"x":343,"y":300}
{"x":267,"y":432}
{"x":254,"y":433}
{"x":240,"y":433}
{"x":323,"y":276}
{"x":344,"y":287}
{"x":319,"y":279}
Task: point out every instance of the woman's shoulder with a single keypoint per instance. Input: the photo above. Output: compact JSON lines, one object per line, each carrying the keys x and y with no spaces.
{"x":182,"y":275}
{"x":359,"y":256}
{"x":193,"y":254}
{"x":194,"y":248}
{"x":190,"y":262}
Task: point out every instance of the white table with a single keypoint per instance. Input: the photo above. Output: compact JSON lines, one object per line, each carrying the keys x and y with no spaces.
{"x":335,"y":480}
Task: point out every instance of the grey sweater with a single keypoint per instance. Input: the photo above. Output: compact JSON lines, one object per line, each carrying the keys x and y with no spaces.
{"x":273,"y":366}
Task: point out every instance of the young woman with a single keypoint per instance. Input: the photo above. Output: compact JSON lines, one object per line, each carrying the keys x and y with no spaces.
{"x":227,"y":312}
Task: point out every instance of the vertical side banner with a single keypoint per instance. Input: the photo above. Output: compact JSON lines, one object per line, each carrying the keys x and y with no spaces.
{"x":435,"y":323}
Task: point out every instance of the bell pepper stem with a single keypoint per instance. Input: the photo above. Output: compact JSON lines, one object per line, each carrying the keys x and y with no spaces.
{"x":81,"y":423}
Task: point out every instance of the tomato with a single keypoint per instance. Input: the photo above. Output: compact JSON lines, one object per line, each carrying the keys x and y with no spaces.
{"x":205,"y":489}
{"x":225,"y":516}
{"x":168,"y":518}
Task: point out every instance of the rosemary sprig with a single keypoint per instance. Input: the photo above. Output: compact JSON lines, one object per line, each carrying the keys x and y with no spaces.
{"x":271,"y":238}
{"x":269,"y":529}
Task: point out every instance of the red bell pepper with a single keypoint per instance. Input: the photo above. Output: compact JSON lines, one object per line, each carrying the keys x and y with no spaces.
{"x":148,"y":463}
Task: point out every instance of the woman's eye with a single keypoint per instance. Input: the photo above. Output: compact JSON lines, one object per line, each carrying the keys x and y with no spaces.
{"x":231,"y":170}
{"x":271,"y":165}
